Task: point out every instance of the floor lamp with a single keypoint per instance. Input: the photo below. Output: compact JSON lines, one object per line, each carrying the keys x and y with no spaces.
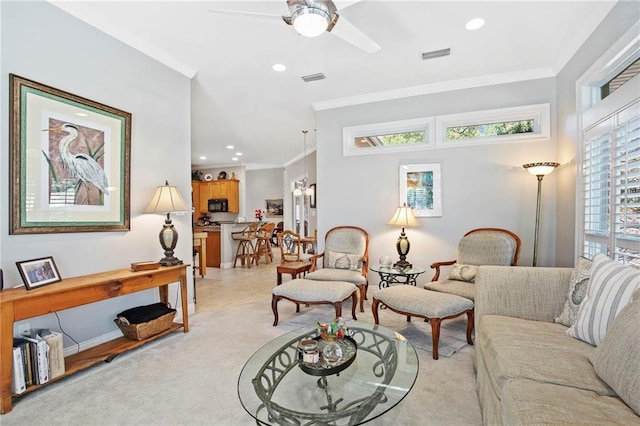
{"x":539,"y":170}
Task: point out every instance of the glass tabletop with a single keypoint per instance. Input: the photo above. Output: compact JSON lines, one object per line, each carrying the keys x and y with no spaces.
{"x":414,"y":270}
{"x":275,"y":390}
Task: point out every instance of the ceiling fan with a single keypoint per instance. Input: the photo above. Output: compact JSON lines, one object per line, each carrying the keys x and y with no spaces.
{"x":311,"y":18}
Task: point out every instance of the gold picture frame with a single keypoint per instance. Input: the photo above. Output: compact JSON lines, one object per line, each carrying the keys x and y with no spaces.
{"x":69,"y":162}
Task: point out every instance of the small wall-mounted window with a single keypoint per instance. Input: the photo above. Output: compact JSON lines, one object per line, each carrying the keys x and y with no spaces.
{"x":493,"y":126}
{"x":395,"y":136}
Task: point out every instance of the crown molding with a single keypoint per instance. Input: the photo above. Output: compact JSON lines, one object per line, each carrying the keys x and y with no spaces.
{"x":445,"y":86}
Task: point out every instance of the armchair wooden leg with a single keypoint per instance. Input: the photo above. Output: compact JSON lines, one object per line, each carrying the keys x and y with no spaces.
{"x":274,"y":308}
{"x":354,"y":302}
{"x":470,"y":325}
{"x":338,"y":306}
{"x":374,"y":310}
{"x":435,"y":335}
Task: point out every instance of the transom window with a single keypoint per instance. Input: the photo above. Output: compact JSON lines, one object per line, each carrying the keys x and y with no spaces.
{"x":393,"y":136}
{"x":493,"y":129}
{"x":394,"y":139}
{"x":515,"y":124}
{"x":524,"y":123}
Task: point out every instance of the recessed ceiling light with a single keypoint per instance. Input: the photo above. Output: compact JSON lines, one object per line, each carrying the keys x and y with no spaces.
{"x":82,"y":114}
{"x":203,"y":157}
{"x":474,"y":24}
{"x":235,"y":158}
{"x":238,"y":153}
{"x":279,"y":67}
{"x":230,"y":146}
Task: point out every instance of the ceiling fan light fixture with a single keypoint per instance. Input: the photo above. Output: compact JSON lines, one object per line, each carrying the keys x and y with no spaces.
{"x":311,"y":21}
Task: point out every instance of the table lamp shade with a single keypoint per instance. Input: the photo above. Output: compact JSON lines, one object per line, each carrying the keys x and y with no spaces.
{"x":403,"y":217}
{"x":167,"y":199}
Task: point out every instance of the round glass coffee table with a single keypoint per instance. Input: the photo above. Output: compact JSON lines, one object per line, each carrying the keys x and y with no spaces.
{"x":275,"y":390}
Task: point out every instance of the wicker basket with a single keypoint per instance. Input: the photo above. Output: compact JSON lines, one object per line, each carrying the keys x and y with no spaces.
{"x":146,"y":329}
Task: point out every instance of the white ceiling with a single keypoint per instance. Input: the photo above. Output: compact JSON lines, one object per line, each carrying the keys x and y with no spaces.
{"x":237,"y":99}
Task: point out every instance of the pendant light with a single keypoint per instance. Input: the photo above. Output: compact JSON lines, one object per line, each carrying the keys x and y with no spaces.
{"x":306,"y":190}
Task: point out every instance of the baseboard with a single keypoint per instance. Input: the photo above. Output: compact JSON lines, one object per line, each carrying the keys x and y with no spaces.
{"x":87,"y":344}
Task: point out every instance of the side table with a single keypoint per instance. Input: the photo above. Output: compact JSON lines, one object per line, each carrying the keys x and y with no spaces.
{"x":292,"y":268}
{"x":390,"y":275}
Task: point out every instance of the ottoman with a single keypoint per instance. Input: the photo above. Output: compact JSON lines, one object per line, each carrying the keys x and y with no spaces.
{"x":312,"y":292}
{"x":433,"y":306}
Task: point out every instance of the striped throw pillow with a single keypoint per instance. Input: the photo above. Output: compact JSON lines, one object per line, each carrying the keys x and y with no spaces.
{"x":610,"y":289}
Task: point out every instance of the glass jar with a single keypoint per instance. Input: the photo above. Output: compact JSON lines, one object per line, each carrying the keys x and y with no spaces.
{"x":309,"y":350}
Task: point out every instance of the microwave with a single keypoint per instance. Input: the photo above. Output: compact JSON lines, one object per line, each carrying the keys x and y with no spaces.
{"x":218,"y":205}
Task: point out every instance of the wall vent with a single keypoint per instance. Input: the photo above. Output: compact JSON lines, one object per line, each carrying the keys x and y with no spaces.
{"x":436,"y":53}
{"x":313,"y":77}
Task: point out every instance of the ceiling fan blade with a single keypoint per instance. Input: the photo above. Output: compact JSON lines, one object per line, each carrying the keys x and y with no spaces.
{"x":349,"y":33}
{"x":258,"y":15}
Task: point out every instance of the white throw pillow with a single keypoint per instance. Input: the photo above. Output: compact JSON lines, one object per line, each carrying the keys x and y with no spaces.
{"x":339,"y":260}
{"x":463,"y":273}
{"x":578,"y":285}
{"x":611,"y":286}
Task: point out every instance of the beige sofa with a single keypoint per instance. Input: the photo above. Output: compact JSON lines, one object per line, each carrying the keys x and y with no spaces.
{"x":528,"y":370}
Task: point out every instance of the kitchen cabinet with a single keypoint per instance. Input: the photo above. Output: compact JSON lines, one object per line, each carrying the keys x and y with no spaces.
{"x":222,"y":188}
{"x":213,"y":249}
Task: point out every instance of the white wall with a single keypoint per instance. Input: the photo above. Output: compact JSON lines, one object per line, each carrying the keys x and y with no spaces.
{"x":42,"y":43}
{"x":619,"y":20}
{"x":483,"y":186}
{"x":263,"y":184}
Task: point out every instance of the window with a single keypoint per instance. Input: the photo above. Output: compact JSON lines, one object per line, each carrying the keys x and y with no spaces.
{"x":395,"y":136}
{"x":627,"y":74}
{"x":514,"y":124}
{"x":611,"y":186}
{"x":492,"y":129}
{"x":608,"y":219}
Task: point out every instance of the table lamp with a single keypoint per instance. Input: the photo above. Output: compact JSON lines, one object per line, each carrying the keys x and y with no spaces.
{"x":403,"y":217}
{"x":167,"y":199}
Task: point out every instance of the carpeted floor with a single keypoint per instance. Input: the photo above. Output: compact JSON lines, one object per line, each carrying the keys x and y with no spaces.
{"x":191,"y":379}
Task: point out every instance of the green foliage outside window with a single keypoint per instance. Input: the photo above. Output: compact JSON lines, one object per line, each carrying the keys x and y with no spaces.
{"x":488,"y":130}
{"x":393,"y":139}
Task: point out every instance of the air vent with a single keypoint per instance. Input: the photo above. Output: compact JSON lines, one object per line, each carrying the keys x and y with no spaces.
{"x":436,"y":53}
{"x":313,"y":77}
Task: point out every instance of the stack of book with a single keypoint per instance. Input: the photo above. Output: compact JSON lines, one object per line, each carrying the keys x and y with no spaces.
{"x":37,"y":358}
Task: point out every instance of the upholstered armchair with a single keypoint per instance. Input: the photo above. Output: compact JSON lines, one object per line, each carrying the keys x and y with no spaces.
{"x":482,"y":246}
{"x":345,"y":258}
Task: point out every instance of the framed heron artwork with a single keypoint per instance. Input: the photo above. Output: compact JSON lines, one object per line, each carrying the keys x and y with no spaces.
{"x":69,"y":161}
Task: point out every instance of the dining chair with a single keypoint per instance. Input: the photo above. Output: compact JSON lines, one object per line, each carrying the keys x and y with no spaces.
{"x":246,"y":240}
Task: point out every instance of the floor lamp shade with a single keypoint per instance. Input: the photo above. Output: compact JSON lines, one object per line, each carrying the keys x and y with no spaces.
{"x":540,"y":170}
{"x":403,"y":217}
{"x":167,"y":199}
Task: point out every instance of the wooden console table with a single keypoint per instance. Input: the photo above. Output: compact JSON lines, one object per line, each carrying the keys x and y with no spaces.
{"x":19,"y":304}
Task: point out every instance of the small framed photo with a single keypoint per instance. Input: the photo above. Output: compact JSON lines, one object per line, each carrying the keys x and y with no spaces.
{"x":275,"y":207}
{"x":38,"y":272}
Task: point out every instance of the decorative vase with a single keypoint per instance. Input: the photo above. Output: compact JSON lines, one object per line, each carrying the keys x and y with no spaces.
{"x":331,"y":351}
{"x":385,"y":261}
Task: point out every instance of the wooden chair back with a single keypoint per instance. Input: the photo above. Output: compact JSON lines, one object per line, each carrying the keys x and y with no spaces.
{"x":289,"y":243}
